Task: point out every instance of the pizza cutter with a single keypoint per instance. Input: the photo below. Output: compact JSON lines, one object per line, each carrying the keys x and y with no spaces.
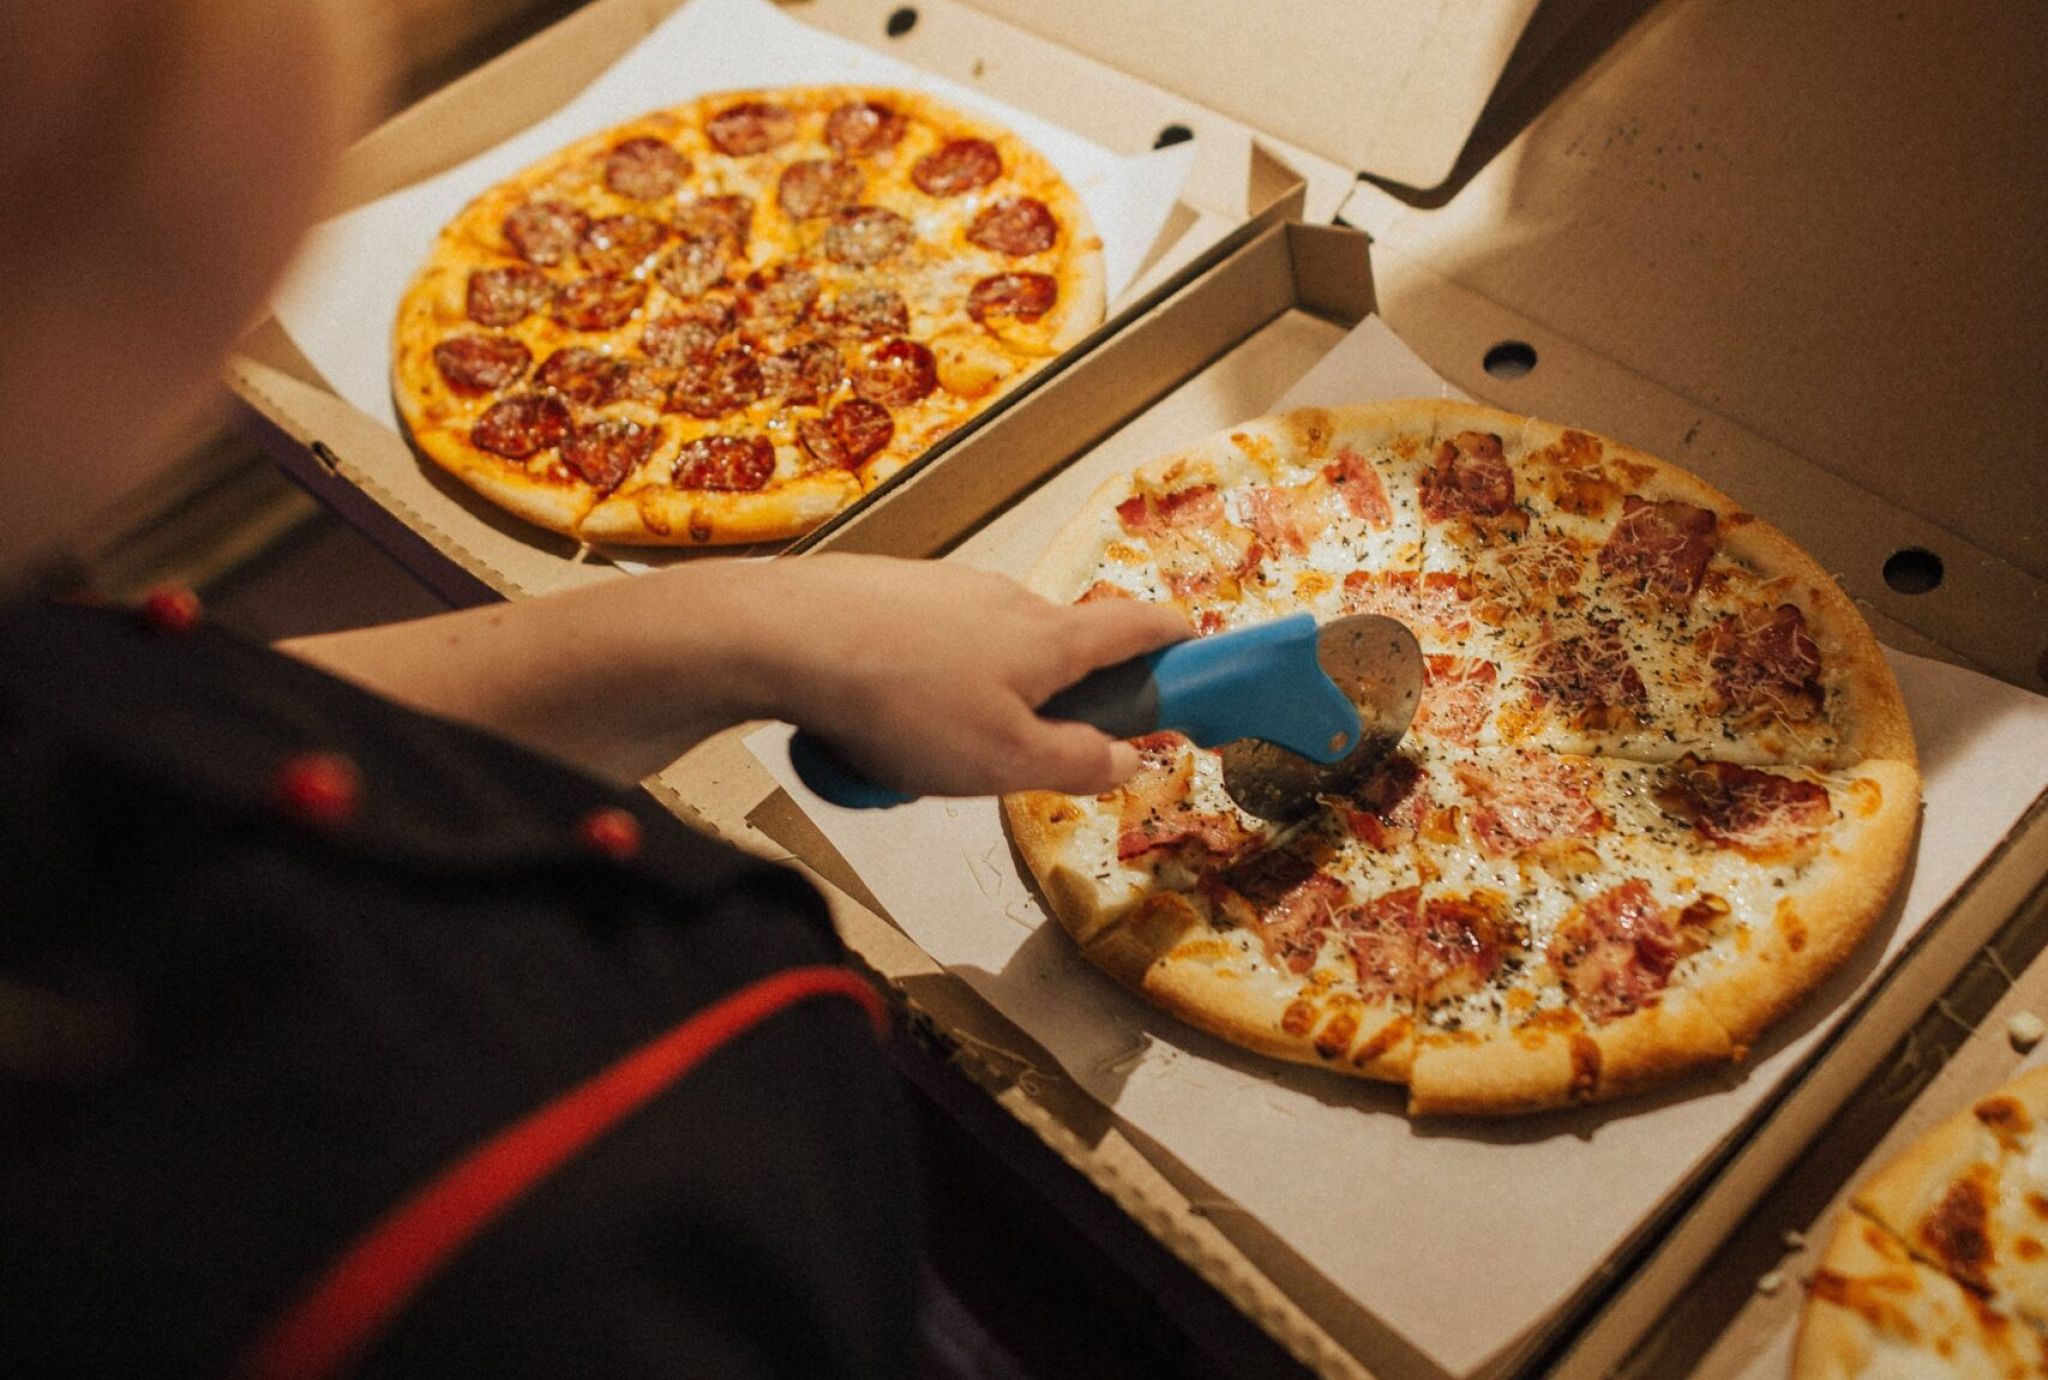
{"x":1296,"y":710}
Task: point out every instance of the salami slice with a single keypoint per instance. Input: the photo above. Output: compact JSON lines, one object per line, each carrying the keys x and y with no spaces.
{"x":521,"y":426}
{"x":481,"y":363}
{"x":605,"y":451}
{"x":806,"y":373}
{"x":544,"y":232}
{"x":817,"y":187}
{"x":897,"y":373}
{"x":690,"y":333}
{"x":849,"y":434}
{"x":956,"y":166}
{"x":860,"y":129}
{"x":1014,"y":225}
{"x":780,"y":297}
{"x":600,"y":302}
{"x":724,"y":383}
{"x":863,"y":236}
{"x":740,"y":463}
{"x":1019,"y":296}
{"x":727,"y":218}
{"x":867,"y":313}
{"x":503,"y":296}
{"x":582,"y":376}
{"x":751,"y":127}
{"x":693,"y":267}
{"x":644,"y":168}
{"x":620,"y":244}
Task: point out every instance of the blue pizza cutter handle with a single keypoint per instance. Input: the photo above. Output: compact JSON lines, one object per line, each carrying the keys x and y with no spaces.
{"x":1261,"y":682}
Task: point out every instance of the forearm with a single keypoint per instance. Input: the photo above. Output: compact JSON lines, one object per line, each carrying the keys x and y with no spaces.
{"x":926,"y":675}
{"x":606,"y":678}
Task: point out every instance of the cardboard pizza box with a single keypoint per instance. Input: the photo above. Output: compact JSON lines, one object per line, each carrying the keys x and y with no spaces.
{"x":354,"y":459}
{"x":1742,"y":1321}
{"x":1225,"y":347}
{"x":1467,"y":280}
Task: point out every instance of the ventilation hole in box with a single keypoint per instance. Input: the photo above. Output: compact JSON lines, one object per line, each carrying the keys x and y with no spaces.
{"x":1173,"y":134}
{"x":902,"y":20}
{"x":1510,"y":359}
{"x":1913,"y":570}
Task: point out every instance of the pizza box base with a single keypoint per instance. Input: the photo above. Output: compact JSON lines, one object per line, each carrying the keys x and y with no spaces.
{"x":469,"y":550}
{"x":1239,"y":336}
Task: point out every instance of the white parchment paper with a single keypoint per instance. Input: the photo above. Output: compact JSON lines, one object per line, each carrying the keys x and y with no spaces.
{"x":343,"y":292}
{"x":1404,"y":1216}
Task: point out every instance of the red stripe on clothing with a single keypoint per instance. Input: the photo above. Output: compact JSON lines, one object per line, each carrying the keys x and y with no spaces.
{"x":370,"y":1283}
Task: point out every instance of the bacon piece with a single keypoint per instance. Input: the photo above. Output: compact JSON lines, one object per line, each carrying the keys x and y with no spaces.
{"x":1154,"y":812}
{"x":1385,"y":810}
{"x":1440,"y":600}
{"x":1103,"y":589}
{"x":1470,"y":478}
{"x":1358,"y":483}
{"x":1018,"y":296}
{"x":1198,"y":550}
{"x":1530,"y":799}
{"x":897,"y":373}
{"x":544,"y":232}
{"x":1760,"y":813}
{"x":1014,"y":225}
{"x":1288,"y":519}
{"x":863,"y":236}
{"x":1459,"y":947}
{"x":607,"y":450}
{"x":1764,"y":659}
{"x":1588,"y":674}
{"x":1288,"y":901}
{"x":1457,"y":697}
{"x":1660,"y":548}
{"x":958,"y":165}
{"x":644,"y":168}
{"x":476,"y":364}
{"x":750,"y":127}
{"x":859,"y":128}
{"x":1380,"y":935}
{"x":1615,"y":953}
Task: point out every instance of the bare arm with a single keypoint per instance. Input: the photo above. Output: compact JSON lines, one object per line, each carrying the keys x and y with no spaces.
{"x":924,"y":675}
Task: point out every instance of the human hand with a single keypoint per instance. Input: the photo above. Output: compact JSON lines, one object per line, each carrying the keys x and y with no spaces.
{"x":926,"y":676}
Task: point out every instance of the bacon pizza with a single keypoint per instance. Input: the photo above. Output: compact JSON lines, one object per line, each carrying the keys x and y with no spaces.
{"x":726,"y":321}
{"x":1660,"y":782}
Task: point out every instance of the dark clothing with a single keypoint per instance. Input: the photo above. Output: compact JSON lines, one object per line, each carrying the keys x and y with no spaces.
{"x":300,"y":1022}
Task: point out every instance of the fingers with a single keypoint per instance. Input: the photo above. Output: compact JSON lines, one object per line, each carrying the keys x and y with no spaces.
{"x":1104,"y":633}
{"x":1074,"y":759}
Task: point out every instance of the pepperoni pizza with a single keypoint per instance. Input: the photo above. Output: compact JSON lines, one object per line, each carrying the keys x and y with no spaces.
{"x":726,"y":321}
{"x":1660,"y":782}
